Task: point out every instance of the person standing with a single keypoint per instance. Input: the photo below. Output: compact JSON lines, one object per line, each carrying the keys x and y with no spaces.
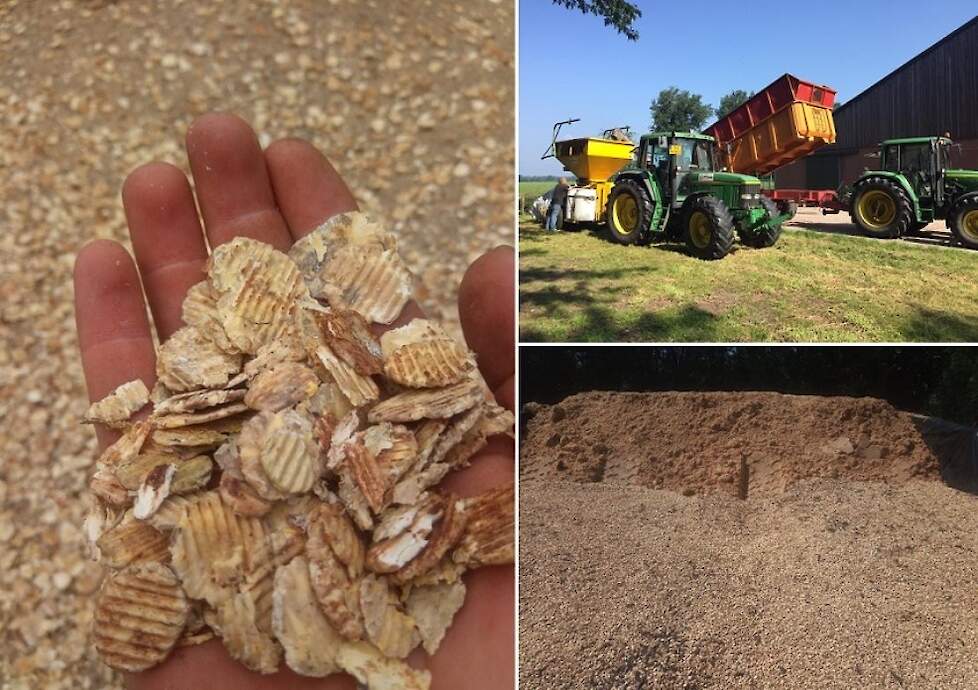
{"x":558,"y":198}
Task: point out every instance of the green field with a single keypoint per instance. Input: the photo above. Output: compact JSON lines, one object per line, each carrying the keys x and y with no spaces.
{"x":812,"y":286}
{"x":531,"y":190}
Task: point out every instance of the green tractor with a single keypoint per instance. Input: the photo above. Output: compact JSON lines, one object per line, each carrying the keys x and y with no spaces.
{"x":914,"y":187}
{"x":675,"y":191}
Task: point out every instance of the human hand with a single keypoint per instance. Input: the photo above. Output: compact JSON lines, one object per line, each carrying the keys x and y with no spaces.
{"x":277,"y":196}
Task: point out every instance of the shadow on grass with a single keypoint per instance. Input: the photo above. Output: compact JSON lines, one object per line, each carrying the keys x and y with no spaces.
{"x":591,"y":299}
{"x":597,"y":324}
{"x":956,"y":447}
{"x":533,"y":234}
{"x":930,"y":326}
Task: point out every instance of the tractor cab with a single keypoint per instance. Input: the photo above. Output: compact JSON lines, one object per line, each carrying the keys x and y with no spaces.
{"x":922,"y":161}
{"x":670,"y":155}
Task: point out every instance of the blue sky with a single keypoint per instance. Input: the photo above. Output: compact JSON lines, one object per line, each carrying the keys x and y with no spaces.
{"x":571,"y":65}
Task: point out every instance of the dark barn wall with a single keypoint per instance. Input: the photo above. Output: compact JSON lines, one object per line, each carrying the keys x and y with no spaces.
{"x":934,"y":93}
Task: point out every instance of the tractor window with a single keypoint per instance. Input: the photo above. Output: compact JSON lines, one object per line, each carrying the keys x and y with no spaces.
{"x":702,"y":159}
{"x":891,"y":158}
{"x":694,"y":155}
{"x":915,"y":158}
{"x":948,"y":155}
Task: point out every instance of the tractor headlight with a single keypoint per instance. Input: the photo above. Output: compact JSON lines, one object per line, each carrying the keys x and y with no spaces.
{"x":749,"y":197}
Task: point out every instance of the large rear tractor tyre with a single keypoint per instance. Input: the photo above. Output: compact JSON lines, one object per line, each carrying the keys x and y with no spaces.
{"x":709,"y":228}
{"x":964,"y":221}
{"x":766,"y":235}
{"x":881,"y":208}
{"x":629,"y":212}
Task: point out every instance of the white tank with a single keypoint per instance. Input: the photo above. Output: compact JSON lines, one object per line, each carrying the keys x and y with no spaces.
{"x":582,"y":205}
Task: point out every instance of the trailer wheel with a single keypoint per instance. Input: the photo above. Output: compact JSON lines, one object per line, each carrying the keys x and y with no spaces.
{"x":766,"y":235}
{"x":881,"y":208}
{"x":964,"y":221}
{"x":709,"y":228}
{"x":629,"y":212}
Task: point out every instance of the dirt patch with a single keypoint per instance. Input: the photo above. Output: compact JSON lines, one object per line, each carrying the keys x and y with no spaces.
{"x":718,"y":303}
{"x":849,"y":564}
{"x":729,"y":443}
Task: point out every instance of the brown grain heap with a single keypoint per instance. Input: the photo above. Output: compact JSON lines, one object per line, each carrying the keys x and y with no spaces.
{"x":283,"y":493}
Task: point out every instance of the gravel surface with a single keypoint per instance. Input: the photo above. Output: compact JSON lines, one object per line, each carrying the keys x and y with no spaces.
{"x":936,"y":234}
{"x":413,"y":103}
{"x":820,"y":579}
{"x":834,"y":584}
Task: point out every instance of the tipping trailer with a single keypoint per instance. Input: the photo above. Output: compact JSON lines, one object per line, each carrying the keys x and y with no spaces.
{"x":783,"y":122}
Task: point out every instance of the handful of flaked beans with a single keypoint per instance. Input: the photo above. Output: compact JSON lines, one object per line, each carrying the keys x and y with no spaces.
{"x":282,"y":494}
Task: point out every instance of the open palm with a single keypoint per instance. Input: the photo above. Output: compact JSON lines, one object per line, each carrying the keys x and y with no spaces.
{"x":277,"y":196}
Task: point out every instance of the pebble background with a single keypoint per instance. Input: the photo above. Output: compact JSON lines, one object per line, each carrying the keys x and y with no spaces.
{"x":412,"y":101}
{"x":833,"y":585}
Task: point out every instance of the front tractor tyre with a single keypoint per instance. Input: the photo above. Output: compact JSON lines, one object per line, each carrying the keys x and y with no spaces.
{"x":709,"y":228}
{"x":881,"y":208}
{"x":629,"y":212}
{"x":766,"y":235}
{"x":964,"y":221}
{"x":787,"y":207}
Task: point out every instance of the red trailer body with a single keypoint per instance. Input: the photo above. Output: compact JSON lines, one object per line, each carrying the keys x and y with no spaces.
{"x":826,"y":199}
{"x":748,"y":125}
{"x":781,"y":93}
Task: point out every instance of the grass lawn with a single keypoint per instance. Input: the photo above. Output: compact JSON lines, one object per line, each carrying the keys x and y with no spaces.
{"x":811,"y":286}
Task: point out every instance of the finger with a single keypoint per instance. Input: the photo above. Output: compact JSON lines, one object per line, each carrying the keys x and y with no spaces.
{"x":166,"y":238}
{"x":490,"y":468}
{"x":209,"y":665}
{"x":485,"y":305}
{"x":477,"y":651}
{"x":506,"y":394}
{"x":110,"y":315}
{"x":307,"y":188}
{"x":309,"y":191}
{"x":232,"y":184}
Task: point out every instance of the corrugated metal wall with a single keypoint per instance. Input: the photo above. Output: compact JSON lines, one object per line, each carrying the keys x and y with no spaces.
{"x":934,"y":93}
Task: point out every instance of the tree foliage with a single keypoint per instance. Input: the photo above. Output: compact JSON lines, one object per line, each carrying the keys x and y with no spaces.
{"x":732,"y":100}
{"x":675,"y":109}
{"x":619,"y":14}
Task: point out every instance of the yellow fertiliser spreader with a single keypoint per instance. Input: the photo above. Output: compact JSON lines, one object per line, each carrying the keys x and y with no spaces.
{"x":594,"y":161}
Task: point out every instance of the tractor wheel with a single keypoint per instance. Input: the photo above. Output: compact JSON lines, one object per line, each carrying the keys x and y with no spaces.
{"x":629,"y":212}
{"x":881,"y":208}
{"x":964,"y":221}
{"x":917,"y":227}
{"x":709,"y":228}
{"x":766,"y":235}
{"x":787,"y":206}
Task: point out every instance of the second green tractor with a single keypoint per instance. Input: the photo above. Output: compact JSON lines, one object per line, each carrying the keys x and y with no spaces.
{"x":915,"y":185}
{"x":675,"y":191}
